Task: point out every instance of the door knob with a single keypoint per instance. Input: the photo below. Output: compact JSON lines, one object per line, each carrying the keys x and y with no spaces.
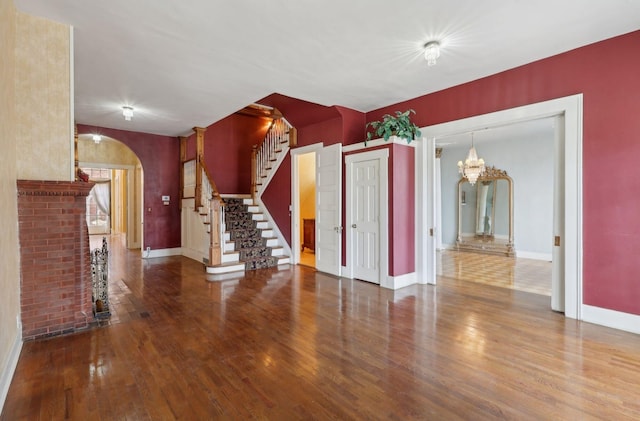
{"x":354,"y":226}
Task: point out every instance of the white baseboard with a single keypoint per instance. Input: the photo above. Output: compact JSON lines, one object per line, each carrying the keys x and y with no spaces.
{"x":397,"y":282}
{"x":177,"y":251}
{"x":9,"y":370}
{"x":533,"y":255}
{"x":611,"y":318}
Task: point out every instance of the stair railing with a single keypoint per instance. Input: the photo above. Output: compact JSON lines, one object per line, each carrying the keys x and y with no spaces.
{"x":280,"y":136}
{"x":210,"y":198}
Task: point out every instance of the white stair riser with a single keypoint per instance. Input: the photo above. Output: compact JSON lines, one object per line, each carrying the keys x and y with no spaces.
{"x":272,"y":242}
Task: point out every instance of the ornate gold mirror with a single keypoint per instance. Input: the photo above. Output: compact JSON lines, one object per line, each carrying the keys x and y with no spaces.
{"x":485,"y":214}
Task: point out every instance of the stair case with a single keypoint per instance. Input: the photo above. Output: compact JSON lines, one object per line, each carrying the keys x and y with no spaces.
{"x":248,"y":240}
{"x":237,"y":234}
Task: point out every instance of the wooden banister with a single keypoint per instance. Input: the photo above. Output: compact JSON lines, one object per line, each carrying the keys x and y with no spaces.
{"x":280,"y":136}
{"x":214,"y":188}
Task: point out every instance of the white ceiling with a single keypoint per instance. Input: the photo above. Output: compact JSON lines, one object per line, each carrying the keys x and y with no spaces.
{"x":192,"y":63}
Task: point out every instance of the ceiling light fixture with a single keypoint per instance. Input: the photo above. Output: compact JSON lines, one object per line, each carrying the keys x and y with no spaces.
{"x":127,"y":112}
{"x":97,"y":138}
{"x":473,"y":166}
{"x":431,"y":52}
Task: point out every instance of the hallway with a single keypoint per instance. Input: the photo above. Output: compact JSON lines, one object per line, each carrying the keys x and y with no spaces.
{"x":299,"y":344}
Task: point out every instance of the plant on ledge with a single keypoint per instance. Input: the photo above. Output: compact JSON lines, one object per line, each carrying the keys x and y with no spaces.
{"x":399,"y":125}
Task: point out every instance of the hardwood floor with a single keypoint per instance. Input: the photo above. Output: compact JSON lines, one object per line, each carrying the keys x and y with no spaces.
{"x":299,"y":344}
{"x":527,"y":275}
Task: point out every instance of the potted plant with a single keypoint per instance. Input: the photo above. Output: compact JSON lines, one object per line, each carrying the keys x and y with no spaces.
{"x":399,"y":125}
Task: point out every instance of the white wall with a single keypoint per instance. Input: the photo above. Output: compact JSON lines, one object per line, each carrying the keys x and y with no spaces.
{"x":529,"y":162}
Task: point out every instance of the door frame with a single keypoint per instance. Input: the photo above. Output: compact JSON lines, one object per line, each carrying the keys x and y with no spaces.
{"x":382,"y":155}
{"x":568,"y":141}
{"x":295,"y":197}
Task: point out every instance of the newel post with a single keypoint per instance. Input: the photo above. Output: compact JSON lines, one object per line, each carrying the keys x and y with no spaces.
{"x":215,"y":248}
{"x":254,"y":171}
{"x":199,"y":157}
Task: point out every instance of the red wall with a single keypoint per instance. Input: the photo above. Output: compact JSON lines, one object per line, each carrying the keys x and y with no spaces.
{"x":227,"y":151}
{"x":160,"y":158}
{"x":402,"y":226}
{"x":608,"y":75}
{"x":315,"y":123}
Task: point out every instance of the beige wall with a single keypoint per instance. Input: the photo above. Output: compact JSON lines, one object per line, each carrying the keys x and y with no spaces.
{"x":307,"y":180}
{"x":9,"y":253}
{"x":35,"y":140}
{"x":43,"y":98}
{"x":108,"y":151}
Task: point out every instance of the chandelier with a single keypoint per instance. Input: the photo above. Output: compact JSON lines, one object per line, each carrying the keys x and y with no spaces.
{"x":473,"y":166}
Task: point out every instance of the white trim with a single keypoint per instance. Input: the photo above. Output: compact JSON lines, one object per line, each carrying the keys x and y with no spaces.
{"x":611,"y":318}
{"x":533,"y":255}
{"x":176,"y":251}
{"x":571,"y":108}
{"x":378,"y":142}
{"x":383,"y":156}
{"x":397,"y":282}
{"x":72,"y":119}
{"x":295,"y":197}
{"x":10,"y":368}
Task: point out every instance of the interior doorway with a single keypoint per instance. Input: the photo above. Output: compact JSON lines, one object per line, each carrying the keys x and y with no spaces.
{"x":524,"y":152}
{"x":307,"y":207}
{"x":118,"y":173}
{"x":303,"y":204}
{"x":567,"y":225}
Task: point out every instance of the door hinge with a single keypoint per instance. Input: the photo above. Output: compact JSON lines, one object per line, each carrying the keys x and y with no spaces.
{"x":431,"y":232}
{"x":556,"y":241}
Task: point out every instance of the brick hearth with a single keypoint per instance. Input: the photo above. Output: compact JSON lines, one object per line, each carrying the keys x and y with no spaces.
{"x":54,"y":257}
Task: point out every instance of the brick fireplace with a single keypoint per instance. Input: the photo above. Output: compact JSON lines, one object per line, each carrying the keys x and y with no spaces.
{"x":54,"y":257}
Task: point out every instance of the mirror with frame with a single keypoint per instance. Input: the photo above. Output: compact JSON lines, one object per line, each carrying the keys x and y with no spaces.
{"x":485,"y":214}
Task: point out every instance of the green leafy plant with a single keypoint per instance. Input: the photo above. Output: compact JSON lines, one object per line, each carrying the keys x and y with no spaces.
{"x":399,"y":125}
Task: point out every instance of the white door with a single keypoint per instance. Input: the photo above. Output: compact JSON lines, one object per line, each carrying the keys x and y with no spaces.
{"x":328,"y":209}
{"x":365,"y":220}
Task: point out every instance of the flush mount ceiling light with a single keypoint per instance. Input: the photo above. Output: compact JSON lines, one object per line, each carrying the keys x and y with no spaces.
{"x":127,"y":112}
{"x":96,"y":138}
{"x":431,"y":52}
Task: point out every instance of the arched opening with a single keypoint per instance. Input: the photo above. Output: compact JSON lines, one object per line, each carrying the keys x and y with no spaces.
{"x":114,"y":206}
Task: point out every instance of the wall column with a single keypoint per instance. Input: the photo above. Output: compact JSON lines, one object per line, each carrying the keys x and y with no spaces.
{"x":55,"y":260}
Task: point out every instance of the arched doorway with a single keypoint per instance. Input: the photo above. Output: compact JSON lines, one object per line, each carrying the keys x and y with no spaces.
{"x":115,"y":207}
